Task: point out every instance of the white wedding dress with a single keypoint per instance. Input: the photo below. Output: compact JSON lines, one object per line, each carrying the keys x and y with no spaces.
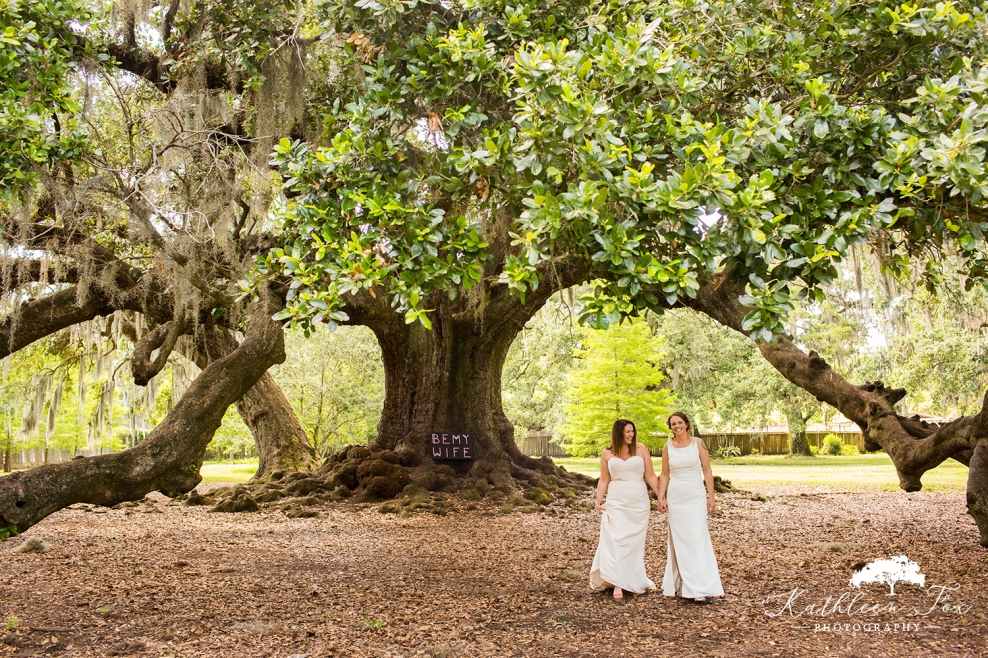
{"x":691,"y":567}
{"x":620,"y":557}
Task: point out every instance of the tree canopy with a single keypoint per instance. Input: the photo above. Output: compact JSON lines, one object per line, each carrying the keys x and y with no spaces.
{"x":659,"y":141}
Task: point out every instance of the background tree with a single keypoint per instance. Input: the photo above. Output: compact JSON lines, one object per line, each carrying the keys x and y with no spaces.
{"x":335,"y":382}
{"x":619,"y":377}
{"x":537,"y":369}
{"x":762,"y":390}
{"x":725,"y":383}
{"x":705,"y":364}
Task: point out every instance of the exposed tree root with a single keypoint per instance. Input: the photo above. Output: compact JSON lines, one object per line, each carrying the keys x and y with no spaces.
{"x":371,"y":474}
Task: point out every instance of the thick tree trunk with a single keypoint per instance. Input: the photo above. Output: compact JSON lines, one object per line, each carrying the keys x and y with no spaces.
{"x":278,"y":433}
{"x":169,"y":459}
{"x":448,"y":379}
{"x":977,"y":489}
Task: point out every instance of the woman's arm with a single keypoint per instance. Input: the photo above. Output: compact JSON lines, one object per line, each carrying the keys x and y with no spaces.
{"x":708,"y":475}
{"x":650,"y":477}
{"x":664,"y":479}
{"x":605,"y":478}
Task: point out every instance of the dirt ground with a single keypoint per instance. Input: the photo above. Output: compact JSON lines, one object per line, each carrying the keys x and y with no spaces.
{"x":162,"y":579}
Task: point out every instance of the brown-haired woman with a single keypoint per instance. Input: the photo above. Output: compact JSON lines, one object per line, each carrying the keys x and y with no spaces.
{"x":625,"y":467}
{"x":686,"y":491}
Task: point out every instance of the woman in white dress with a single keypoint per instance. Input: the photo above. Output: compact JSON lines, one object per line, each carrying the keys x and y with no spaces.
{"x":686,"y":491}
{"x":625,"y":467}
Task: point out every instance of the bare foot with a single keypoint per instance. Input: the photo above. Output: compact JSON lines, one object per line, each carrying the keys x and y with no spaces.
{"x":618,"y":594}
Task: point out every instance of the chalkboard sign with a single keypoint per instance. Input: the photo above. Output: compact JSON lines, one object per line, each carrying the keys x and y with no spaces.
{"x":450,"y":445}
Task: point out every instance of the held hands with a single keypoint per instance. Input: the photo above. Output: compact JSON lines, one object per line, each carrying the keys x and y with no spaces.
{"x":663,"y":505}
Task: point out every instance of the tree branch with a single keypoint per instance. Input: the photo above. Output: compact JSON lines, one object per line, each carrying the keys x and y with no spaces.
{"x":42,"y":317}
{"x":914,"y":449}
{"x":169,"y":459}
{"x":163,"y":339}
{"x":29,"y":270}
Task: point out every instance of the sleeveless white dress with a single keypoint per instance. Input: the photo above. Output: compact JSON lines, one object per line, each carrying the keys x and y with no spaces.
{"x":691,"y":567}
{"x":620,"y":557}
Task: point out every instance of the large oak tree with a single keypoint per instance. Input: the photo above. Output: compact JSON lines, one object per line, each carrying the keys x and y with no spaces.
{"x":485,"y":155}
{"x":474,"y":156}
{"x":133,"y":147}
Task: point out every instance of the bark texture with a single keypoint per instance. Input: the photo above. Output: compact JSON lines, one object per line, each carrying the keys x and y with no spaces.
{"x":977,"y":489}
{"x":448,"y":379}
{"x":169,"y":459}
{"x":281,"y":440}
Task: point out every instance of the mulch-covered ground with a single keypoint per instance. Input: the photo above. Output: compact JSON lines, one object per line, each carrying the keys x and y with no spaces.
{"x":163,"y":579}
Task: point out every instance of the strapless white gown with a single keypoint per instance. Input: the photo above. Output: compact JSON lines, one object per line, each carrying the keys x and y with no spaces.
{"x":620,"y":557}
{"x":691,"y":567}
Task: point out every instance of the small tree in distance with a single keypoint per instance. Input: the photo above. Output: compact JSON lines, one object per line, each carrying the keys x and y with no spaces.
{"x":620,"y":378}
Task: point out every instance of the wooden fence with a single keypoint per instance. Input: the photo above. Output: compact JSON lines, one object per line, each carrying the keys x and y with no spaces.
{"x":773,"y":443}
{"x":539,"y":444}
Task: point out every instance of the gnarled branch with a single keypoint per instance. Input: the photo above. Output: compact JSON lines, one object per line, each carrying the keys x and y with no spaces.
{"x":48,"y":315}
{"x":913,"y":447}
{"x":163,"y":339}
{"x":169,"y":459}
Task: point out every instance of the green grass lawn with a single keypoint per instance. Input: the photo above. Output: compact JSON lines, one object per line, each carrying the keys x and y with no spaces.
{"x":859,"y":472}
{"x":227,"y":473}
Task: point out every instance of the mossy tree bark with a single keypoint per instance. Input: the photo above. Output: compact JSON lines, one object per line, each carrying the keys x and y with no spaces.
{"x":448,"y":378}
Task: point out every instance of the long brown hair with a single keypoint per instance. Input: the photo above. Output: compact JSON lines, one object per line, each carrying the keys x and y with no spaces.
{"x":617,"y":437}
